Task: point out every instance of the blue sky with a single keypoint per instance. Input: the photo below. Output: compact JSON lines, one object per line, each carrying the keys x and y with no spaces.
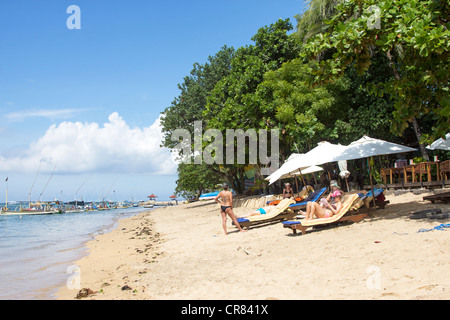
{"x":84,"y":104}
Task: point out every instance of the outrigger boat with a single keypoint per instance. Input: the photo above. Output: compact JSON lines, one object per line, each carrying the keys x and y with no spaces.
{"x":34,"y":209}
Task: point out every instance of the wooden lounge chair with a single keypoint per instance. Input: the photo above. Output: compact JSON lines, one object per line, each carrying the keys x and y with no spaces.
{"x":445,"y":197}
{"x":280,"y":212}
{"x":315,"y":196}
{"x":302,"y":194}
{"x":348,"y":204}
{"x":367,"y":199}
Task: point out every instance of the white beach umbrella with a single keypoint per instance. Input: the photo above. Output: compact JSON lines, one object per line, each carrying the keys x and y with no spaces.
{"x":284,"y":171}
{"x":368,"y":147}
{"x":324,"y":152}
{"x":309,"y":170}
{"x":441,"y":144}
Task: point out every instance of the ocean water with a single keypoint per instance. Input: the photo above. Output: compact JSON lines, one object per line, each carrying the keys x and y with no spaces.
{"x":38,"y":251}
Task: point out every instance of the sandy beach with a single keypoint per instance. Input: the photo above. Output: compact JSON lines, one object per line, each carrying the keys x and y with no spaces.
{"x":181,"y":252}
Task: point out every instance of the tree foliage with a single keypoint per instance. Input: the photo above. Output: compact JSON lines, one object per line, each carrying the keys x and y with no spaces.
{"x":351,"y":68}
{"x":414,"y":37}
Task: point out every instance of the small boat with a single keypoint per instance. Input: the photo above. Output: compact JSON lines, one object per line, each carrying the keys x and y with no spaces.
{"x":148,"y":206}
{"x":208,"y":196}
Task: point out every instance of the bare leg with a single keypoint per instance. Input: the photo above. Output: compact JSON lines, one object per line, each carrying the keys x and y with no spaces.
{"x":232,"y":216}
{"x":308,"y":210}
{"x":254,"y":213}
{"x":224,"y":221}
{"x":317,"y":210}
{"x":312,"y":211}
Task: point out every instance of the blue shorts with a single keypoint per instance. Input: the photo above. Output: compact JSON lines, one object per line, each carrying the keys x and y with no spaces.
{"x":261,"y":211}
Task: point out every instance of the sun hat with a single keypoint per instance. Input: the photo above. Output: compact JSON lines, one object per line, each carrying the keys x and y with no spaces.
{"x":336,"y":194}
{"x":334,"y":183}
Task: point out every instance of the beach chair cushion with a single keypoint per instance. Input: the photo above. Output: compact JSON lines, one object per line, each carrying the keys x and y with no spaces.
{"x":279,"y":208}
{"x":312,"y":197}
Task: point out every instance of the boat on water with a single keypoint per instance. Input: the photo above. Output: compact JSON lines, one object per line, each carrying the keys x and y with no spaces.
{"x":37,"y":208}
{"x":208,"y":196}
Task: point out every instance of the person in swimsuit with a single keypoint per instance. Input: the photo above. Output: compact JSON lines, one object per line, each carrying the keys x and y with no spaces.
{"x":226,"y":207}
{"x":327,"y":211}
{"x":263,"y":210}
{"x":334,"y":187}
{"x":287,"y":191}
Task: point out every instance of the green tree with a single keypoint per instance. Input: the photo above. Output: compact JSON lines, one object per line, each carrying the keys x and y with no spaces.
{"x":306,"y":114}
{"x":188,"y":106}
{"x":233,"y":103}
{"x":312,"y":20}
{"x":193,"y":179}
{"x":414,"y":37}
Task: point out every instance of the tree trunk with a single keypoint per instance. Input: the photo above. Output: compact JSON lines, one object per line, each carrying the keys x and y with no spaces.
{"x":414,"y":122}
{"x":418,"y":133}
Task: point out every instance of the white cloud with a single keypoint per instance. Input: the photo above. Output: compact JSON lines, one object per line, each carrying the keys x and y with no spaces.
{"x":76,"y":147}
{"x":52,"y":114}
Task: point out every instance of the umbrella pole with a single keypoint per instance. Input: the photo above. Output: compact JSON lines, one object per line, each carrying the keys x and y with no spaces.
{"x":371,"y":183}
{"x":303,"y":179}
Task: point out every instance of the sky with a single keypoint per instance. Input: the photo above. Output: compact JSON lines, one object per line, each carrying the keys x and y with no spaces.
{"x":81,"y":95}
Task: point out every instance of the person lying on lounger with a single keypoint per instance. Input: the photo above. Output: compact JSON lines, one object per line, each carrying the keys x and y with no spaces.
{"x":260,"y":211}
{"x":263,"y":210}
{"x":326,"y":210}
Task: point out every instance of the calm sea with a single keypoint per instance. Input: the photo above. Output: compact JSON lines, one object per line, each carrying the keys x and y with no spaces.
{"x":36,"y":251}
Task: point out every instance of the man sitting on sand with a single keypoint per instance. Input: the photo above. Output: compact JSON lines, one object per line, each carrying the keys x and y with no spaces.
{"x":325,"y":209}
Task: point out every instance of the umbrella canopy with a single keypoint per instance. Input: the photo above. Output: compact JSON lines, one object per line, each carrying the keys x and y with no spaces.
{"x":152,"y":196}
{"x":441,"y":144}
{"x":368,"y":147}
{"x":172,"y":197}
{"x":324,"y":152}
{"x":283,"y":171}
{"x":309,"y":170}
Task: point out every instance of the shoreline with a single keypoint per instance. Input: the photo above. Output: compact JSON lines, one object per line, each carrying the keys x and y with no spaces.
{"x":181,"y":252}
{"x":82,"y":250}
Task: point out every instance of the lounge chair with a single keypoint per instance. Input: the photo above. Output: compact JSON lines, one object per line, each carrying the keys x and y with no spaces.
{"x":314,"y":197}
{"x":445,"y":197}
{"x":302,"y":194}
{"x":278,"y":213}
{"x":367,"y":199}
{"x":348,"y":204}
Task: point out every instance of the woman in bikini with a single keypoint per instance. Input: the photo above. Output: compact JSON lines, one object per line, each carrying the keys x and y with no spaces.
{"x":287,"y":191}
{"x":327,"y":211}
{"x":226,"y":207}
